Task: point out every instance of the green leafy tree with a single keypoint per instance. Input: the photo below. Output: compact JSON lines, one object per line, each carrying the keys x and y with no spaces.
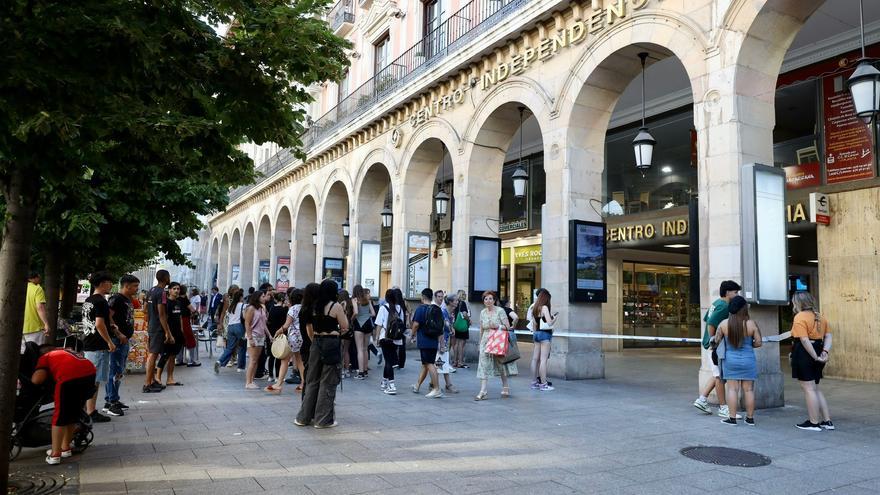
{"x":128,"y":116}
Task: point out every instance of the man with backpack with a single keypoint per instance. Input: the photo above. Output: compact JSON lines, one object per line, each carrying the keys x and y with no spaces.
{"x":427,"y":328}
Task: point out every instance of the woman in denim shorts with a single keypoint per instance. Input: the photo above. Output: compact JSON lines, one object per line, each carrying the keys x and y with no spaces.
{"x":541,"y":321}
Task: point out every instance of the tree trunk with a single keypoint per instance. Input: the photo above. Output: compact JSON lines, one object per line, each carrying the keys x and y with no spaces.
{"x":52,"y":287}
{"x":69,"y":288}
{"x":20,"y":190}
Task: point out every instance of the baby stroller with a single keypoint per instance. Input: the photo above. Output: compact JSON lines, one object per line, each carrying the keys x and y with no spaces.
{"x":31,"y":423}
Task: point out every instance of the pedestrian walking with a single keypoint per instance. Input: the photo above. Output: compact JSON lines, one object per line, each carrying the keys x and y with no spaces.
{"x":189,"y":354}
{"x":362,"y":324}
{"x":234,"y":332}
{"x":256,"y":332}
{"x":158,"y":332}
{"x":391,"y":329}
{"x":541,"y":321}
{"x":275,"y":319}
{"x":294,"y":339}
{"x":122,"y":329}
{"x":461,"y":325}
{"x":97,"y":343}
{"x":327,"y":324}
{"x":427,"y":328}
{"x":739,"y":368}
{"x":36,"y":321}
{"x":491,"y":318}
{"x":716,"y":313}
{"x":443,"y":364}
{"x":214,"y":306}
{"x":401,"y":348}
{"x":171,"y":349}
{"x":810,"y":350}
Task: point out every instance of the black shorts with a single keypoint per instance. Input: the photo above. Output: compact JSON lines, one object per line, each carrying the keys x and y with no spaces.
{"x":367,"y":327}
{"x":462,"y":335}
{"x":173,"y":349}
{"x":157,"y":342}
{"x":429,"y":356}
{"x":803,"y":367}
{"x":70,"y":399}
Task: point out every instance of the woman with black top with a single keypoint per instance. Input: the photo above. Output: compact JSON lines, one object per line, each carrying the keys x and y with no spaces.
{"x":306,"y":313}
{"x":327,"y":324}
{"x":542,"y":322}
{"x":344,"y":300}
{"x":401,"y":349}
{"x":169,"y":351}
{"x":362,"y":324}
{"x":274,"y":322}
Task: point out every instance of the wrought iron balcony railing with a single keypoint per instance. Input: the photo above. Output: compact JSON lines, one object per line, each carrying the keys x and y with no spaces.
{"x":341,"y":17}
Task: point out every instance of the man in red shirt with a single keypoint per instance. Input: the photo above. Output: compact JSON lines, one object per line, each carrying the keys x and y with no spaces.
{"x":74,"y":378}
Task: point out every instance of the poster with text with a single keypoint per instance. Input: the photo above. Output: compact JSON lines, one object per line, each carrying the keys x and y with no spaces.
{"x":263,"y":272}
{"x":803,"y":175}
{"x":282,"y":273}
{"x":418,"y":274}
{"x":236,"y":270}
{"x":371,"y":262}
{"x":848,"y":143}
{"x":334,"y":269}
{"x":590,"y":258}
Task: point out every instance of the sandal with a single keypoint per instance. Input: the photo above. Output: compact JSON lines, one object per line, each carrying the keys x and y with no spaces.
{"x":298,"y":388}
{"x":174,"y":384}
{"x":505,"y":392}
{"x":482,"y":396}
{"x":272,"y":390}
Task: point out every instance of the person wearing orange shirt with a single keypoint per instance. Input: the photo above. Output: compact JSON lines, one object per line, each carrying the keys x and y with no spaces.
{"x":810,"y":349}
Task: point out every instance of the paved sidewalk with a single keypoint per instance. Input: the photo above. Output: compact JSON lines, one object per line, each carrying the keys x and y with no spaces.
{"x":618,"y":435}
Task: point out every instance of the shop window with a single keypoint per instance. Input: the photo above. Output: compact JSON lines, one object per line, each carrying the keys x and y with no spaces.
{"x":671,"y":179}
{"x":656,"y":303}
{"x":797,"y":143}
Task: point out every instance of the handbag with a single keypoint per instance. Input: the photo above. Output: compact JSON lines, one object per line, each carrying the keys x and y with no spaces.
{"x":513,"y":350}
{"x":497,"y":343}
{"x":281,"y":348}
{"x":460,"y":325}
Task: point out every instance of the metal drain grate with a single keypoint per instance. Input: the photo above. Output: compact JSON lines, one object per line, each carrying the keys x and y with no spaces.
{"x":724,"y":456}
{"x":36,"y":483}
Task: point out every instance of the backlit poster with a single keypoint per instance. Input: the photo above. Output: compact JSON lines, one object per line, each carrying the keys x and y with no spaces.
{"x":371,"y":263}
{"x":282,"y":273}
{"x":236,"y":270}
{"x":263,"y":271}
{"x":485,"y":266}
{"x":334,"y":269}
{"x":587,"y":262}
{"x":418,"y":267}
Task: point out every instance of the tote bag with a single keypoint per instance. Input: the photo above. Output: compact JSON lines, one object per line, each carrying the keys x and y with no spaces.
{"x":497,"y":343}
{"x":281,"y":348}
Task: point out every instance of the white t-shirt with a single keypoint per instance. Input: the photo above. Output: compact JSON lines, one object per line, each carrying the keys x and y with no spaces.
{"x":233,"y":317}
{"x":196,"y":301}
{"x":382,"y":321}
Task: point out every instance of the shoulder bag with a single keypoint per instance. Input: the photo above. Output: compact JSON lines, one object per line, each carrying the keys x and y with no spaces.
{"x":281,"y":348}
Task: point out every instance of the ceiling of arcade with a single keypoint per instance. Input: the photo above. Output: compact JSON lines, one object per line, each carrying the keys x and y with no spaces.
{"x":577,"y":29}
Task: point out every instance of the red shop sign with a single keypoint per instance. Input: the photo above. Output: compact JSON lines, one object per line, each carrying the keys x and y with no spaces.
{"x":848,"y":145}
{"x":803,"y":175}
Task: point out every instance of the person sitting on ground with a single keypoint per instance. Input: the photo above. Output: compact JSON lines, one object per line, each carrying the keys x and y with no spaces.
{"x":74,"y":378}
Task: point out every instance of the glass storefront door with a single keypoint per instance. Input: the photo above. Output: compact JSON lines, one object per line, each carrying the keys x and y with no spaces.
{"x":656,"y":303}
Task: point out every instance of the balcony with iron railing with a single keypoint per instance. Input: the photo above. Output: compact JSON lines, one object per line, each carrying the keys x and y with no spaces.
{"x":463,"y":26}
{"x":341,"y":17}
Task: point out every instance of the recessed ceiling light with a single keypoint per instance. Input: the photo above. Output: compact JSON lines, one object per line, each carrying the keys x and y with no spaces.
{"x":813,"y":261}
{"x":676,"y":246}
{"x":792,"y":236}
{"x":666,"y":169}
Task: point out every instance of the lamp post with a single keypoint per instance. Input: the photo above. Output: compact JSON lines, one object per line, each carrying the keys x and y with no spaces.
{"x":346,"y":229}
{"x":643,"y":144}
{"x":520,"y":176}
{"x":864,"y":84}
{"x":441,"y":203}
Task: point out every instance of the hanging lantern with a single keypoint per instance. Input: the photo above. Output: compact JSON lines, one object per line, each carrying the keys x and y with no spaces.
{"x":441,"y":203}
{"x":864,"y":86}
{"x":643,"y":145}
{"x":520,"y":181}
{"x":387,"y":217}
{"x":314,"y":238}
{"x":346,"y":228}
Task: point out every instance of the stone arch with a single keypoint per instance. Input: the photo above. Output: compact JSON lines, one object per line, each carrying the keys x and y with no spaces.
{"x":264,"y":248}
{"x":223,"y":263}
{"x":374,"y":186}
{"x":282,"y":234}
{"x":304,"y":251}
{"x":335,"y":210}
{"x":235,"y":258}
{"x":248,"y":255}
{"x":213,"y":267}
{"x":378,"y":155}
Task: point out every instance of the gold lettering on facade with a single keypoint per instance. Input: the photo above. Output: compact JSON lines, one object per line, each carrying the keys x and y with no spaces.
{"x":560,"y":40}
{"x":649,"y":231}
{"x":596,"y":22}
{"x":545,"y":49}
{"x":639,"y":4}
{"x":615,"y":11}
{"x":578,"y":32}
{"x":795,"y":213}
{"x":529,"y":55}
{"x":516,"y":65}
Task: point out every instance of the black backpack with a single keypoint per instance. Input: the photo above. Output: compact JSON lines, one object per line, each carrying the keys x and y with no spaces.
{"x":396,"y":327}
{"x":434,"y":322}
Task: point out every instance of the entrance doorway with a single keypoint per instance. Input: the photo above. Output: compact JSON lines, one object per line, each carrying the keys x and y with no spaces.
{"x":656,"y":303}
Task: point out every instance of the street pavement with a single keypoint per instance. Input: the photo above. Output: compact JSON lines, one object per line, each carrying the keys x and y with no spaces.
{"x":620,"y":435}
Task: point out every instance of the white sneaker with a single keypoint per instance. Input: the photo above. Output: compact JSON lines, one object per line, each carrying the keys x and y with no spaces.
{"x":53,"y":460}
{"x":435,"y":393}
{"x":64,"y":453}
{"x":391,"y":389}
{"x":724,"y":412}
{"x":703,"y":405}
{"x":383,"y":384}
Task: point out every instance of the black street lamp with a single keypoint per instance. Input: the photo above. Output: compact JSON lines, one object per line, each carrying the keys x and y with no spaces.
{"x":387,"y":217}
{"x":441,"y":203}
{"x":520,"y":176}
{"x":346,"y":228}
{"x":314,"y":238}
{"x":864,"y":84}
{"x":643,"y":144}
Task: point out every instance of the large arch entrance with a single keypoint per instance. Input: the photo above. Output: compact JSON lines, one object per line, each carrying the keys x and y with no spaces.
{"x":213,"y":267}
{"x":263,"y":252}
{"x":235,"y":259}
{"x":283,"y":249}
{"x":304,"y":250}
{"x":373,"y":241}
{"x":248,"y":254}
{"x":333,"y":241}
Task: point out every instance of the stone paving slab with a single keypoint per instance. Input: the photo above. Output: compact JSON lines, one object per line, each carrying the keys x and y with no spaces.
{"x":620,"y":435}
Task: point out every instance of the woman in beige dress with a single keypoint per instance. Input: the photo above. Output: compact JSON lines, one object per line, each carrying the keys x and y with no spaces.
{"x":491,"y":318}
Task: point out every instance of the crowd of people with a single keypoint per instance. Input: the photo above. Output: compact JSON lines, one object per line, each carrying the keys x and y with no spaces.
{"x":320,"y":321}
